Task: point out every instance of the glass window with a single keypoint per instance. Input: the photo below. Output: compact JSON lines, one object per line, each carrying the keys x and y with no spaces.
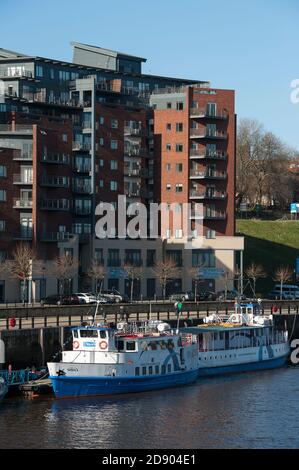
{"x":113,"y":185}
{"x":168,"y":126}
{"x":101,"y":120}
{"x":113,"y":164}
{"x":39,"y":71}
{"x":2,"y":171}
{"x":179,"y":106}
{"x":179,"y":127}
{"x":2,"y":225}
{"x":157,"y":369}
{"x":168,"y":147}
{"x":143,"y":370}
{"x":179,"y":167}
{"x":169,"y":106}
{"x":103,"y":334}
{"x":114,"y":144}
{"x":169,"y":368}
{"x":2,"y":195}
{"x":179,"y":147}
{"x":114,"y":123}
{"x":89,"y":333}
{"x":119,"y":344}
{"x":150,"y":370}
{"x":137,"y":371}
{"x":130,"y":346}
{"x":163,"y":369}
{"x":203,"y":258}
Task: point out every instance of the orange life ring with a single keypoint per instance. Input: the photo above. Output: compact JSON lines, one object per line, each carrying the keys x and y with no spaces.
{"x":103,"y":344}
{"x":75,"y":344}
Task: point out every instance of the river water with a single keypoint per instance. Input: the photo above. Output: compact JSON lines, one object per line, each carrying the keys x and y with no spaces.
{"x":252,"y":410}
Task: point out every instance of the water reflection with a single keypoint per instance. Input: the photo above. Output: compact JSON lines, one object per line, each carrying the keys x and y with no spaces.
{"x":252,"y":410}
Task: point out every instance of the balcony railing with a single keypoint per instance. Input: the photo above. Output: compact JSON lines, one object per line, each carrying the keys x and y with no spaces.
{"x":87,"y":125}
{"x":7,"y":73}
{"x":17,"y":128}
{"x":19,"y":203}
{"x":132,"y":172}
{"x":82,"y":188}
{"x":82,"y":168}
{"x":132,"y":131}
{"x":135,"y":152}
{"x":56,"y":237}
{"x":81,"y":146}
{"x":23,"y":235}
{"x":205,"y":134}
{"x":55,"y":181}
{"x":199,"y":194}
{"x":204,"y":113}
{"x":54,"y":204}
{"x":82,"y":210}
{"x":57,"y":158}
{"x":208,"y":174}
{"x":132,"y":192}
{"x":19,"y":155}
{"x":208,"y":215}
{"x":22,"y":179}
{"x":217,"y":155}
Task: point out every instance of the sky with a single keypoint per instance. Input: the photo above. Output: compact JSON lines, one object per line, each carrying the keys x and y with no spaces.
{"x":249,"y":46}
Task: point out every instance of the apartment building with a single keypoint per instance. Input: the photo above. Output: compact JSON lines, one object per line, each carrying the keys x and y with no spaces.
{"x":74,"y":135}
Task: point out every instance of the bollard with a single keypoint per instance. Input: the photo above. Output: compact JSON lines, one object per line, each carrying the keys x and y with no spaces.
{"x":45,"y":322}
{"x":32,"y":322}
{"x":57,"y":320}
{"x":20,"y":323}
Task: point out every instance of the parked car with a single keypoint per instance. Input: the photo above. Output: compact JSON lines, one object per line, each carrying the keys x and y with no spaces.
{"x":61,"y":300}
{"x":86,"y":298}
{"x":230,"y":295}
{"x":206,"y":295}
{"x":287,"y":291}
{"x":182,"y":296}
{"x":113,"y":295}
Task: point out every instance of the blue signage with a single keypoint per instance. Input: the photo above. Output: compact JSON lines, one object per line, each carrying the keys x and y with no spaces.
{"x":89,"y":344}
{"x":211,"y":273}
{"x":294,"y":208}
{"x":116,"y":273}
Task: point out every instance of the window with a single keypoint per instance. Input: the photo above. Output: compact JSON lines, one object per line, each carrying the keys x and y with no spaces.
{"x":175,"y":256}
{"x":2,"y":195}
{"x":101,"y":120}
{"x":150,"y":370}
{"x":163,"y":369}
{"x":114,"y":123}
{"x":150,"y":257}
{"x":168,"y":166}
{"x":2,"y":171}
{"x":179,"y":106}
{"x":179,"y":127}
{"x":168,"y":367}
{"x":2,"y":225}
{"x":3,"y":256}
{"x":179,"y":167}
{"x":113,"y":185}
{"x":169,"y":106}
{"x":39,"y":71}
{"x":130,"y":346}
{"x":143,"y":370}
{"x":168,"y":187}
{"x":168,"y":126}
{"x":113,"y":144}
{"x":113,"y":257}
{"x":101,"y":183}
{"x":64,"y":137}
{"x":204,"y":258}
{"x":178,"y":147}
{"x":210,"y":234}
{"x":178,"y":233}
{"x":113,"y":164}
{"x":137,"y":371}
{"x":101,"y":162}
{"x":168,"y":147}
{"x":178,"y":208}
{"x":157,"y":369}
{"x":101,"y":141}
{"x":178,"y":188}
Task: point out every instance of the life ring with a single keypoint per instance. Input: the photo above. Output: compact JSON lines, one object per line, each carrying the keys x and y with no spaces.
{"x":75,"y":344}
{"x":103,"y":344}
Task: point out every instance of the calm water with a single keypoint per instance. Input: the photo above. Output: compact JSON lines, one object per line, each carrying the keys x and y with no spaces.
{"x":253,"y":410}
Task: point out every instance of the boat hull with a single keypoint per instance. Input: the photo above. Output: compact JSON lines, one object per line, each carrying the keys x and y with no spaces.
{"x":246,"y":367}
{"x":75,"y":386}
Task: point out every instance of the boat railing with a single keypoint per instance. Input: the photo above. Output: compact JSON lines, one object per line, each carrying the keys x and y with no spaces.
{"x":15,"y":377}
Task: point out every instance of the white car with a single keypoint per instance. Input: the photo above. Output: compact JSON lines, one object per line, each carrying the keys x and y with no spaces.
{"x":86,"y":298}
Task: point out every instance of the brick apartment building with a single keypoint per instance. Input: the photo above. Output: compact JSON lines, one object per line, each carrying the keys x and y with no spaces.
{"x":75,"y":134}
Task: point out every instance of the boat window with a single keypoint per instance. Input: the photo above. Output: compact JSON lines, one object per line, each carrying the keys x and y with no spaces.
{"x":152,"y":345}
{"x":143,"y":370}
{"x":150,"y":370}
{"x":89,"y":333}
{"x":75,"y":333}
{"x":119,"y":344}
{"x":157,"y":369}
{"x":163,"y":369}
{"x":136,"y":370}
{"x":103,"y":334}
{"x":130,"y":345}
{"x":169,"y":368}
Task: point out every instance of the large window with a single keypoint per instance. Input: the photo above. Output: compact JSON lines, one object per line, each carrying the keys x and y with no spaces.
{"x":2,"y":195}
{"x":204,"y":258}
{"x":2,"y":171}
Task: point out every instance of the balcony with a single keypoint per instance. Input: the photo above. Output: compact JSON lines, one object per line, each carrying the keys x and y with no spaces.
{"x":82,"y":168}
{"x":23,"y":179}
{"x":55,"y":181}
{"x":86,"y":147}
{"x":19,"y":72}
{"x":87,"y":125}
{"x":134,"y":132}
{"x":54,"y":204}
{"x":19,"y":203}
{"x":205,"y":134}
{"x":199,"y":194}
{"x":132,"y":172}
{"x":204,"y":113}
{"x":135,"y":152}
{"x":18,"y":155}
{"x":20,"y":129}
{"x":56,"y":237}
{"x":208,"y":174}
{"x":130,"y":192}
{"x":82,"y":210}
{"x":200,"y":154}
{"x":56,"y":158}
{"x":208,"y":215}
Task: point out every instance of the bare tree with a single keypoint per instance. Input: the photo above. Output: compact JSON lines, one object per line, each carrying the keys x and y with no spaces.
{"x":97,"y":273}
{"x":20,"y":266}
{"x":255,"y":272}
{"x":134,"y":273}
{"x":282,"y":275}
{"x":65,"y":268}
{"x":164,"y":271}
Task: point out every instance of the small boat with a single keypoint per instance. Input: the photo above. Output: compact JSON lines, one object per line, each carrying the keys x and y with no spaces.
{"x":129,"y":358}
{"x":3,"y":388}
{"x":245,"y":341}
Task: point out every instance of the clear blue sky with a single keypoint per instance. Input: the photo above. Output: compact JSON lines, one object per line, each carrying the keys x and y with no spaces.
{"x":250,"y":46}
